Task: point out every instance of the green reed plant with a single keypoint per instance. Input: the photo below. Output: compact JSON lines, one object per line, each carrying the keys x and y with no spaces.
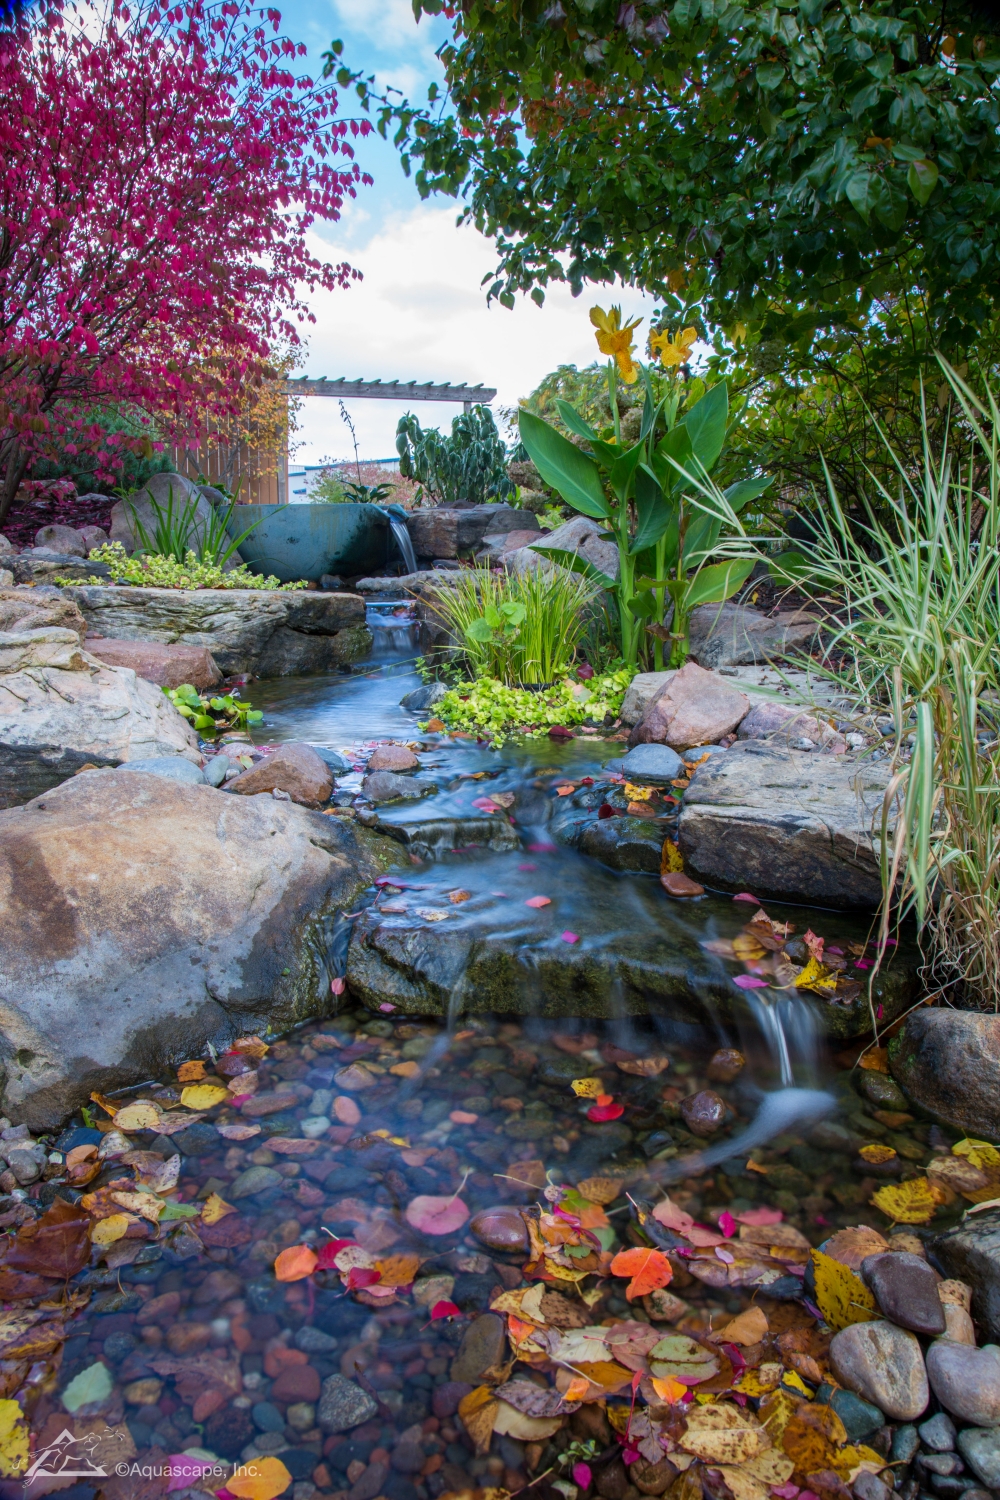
{"x":519,"y":629}
{"x":918,"y":628}
{"x":178,"y":531}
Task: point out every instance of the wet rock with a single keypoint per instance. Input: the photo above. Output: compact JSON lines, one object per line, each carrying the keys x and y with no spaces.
{"x":732,"y":635}
{"x":859,"y":1417}
{"x":782,"y":724}
{"x":938,"y":1433}
{"x":652,"y":1479}
{"x":444,"y":1401}
{"x":292,"y":768}
{"x":483,"y":1348}
{"x":677,"y":884}
{"x":905,"y":1445}
{"x":267,"y":633}
{"x":192,"y":916}
{"x":500,"y":1228}
{"x":624,"y":844}
{"x":611,"y":1480}
{"x":314,"y":1341}
{"x":370,"y":1483}
{"x":423,"y":698}
{"x":386,"y":786}
{"x":785,"y":824}
{"x":267,"y":1417}
{"x":703,"y":1113}
{"x":980,"y":1447}
{"x":407,"y":1458}
{"x":966,"y":1381}
{"x":430,"y":838}
{"x":694,"y":708}
{"x":168,"y":665}
{"x":970,"y":1252}
{"x":253,"y":1181}
{"x":868,"y":1486}
{"x":725,"y":1065}
{"x":653,"y":765}
{"x":948,"y":1062}
{"x":227,"y":1432}
{"x":883,"y":1364}
{"x":392,"y":758}
{"x":172,"y":767}
{"x":343,"y":1405}
{"x":296,"y":1383}
{"x":905,"y":1288}
{"x":880,"y":1090}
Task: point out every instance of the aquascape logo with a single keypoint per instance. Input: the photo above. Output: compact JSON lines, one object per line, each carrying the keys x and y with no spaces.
{"x":72,"y":1457}
{"x":98,"y":1455}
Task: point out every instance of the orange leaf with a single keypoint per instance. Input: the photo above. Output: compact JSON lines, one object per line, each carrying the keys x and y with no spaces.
{"x":260,"y":1479}
{"x":669,"y":1389}
{"x":190,"y":1072}
{"x":398,"y":1270}
{"x":295,"y":1264}
{"x":578,"y":1388}
{"x":649,"y":1270}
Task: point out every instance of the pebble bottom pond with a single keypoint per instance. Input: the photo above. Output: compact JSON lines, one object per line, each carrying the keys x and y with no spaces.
{"x":447,"y":1208}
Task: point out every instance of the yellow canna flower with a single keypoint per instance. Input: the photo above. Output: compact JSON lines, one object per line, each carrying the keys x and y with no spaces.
{"x":672,"y":352}
{"x":615,"y":340}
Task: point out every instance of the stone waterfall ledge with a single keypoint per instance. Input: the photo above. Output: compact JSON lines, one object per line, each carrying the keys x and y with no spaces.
{"x":141,"y":918}
{"x":265,"y":633}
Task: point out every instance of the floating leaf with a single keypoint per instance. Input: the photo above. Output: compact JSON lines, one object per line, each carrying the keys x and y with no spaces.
{"x":295,"y":1263}
{"x":477,"y":1411}
{"x":215,"y":1208}
{"x":602,"y":1190}
{"x":876,"y":1154}
{"x":648,"y":1269}
{"x":13,"y":1440}
{"x":645,"y":1067}
{"x":203,"y":1095}
{"x":841,"y":1296}
{"x":175,"y":1210}
{"x":587,"y":1088}
{"x":140,"y":1115}
{"x":749,"y":982}
{"x":191,"y":1072}
{"x":723,"y":1434}
{"x":436,"y":1215}
{"x":115,"y":1227}
{"x":538,"y":901}
{"x":445,"y":1310}
{"x":398,"y":1270}
{"x":910,"y":1202}
{"x":259,"y":1479}
{"x":457,"y":897}
{"x":852,"y":1246}
{"x":92,"y":1385}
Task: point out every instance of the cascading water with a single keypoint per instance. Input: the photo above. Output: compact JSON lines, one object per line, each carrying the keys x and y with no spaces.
{"x":401,"y":536}
{"x":394,"y":627}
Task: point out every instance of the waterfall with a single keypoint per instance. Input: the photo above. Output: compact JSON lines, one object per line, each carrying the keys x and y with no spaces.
{"x":402,"y":538}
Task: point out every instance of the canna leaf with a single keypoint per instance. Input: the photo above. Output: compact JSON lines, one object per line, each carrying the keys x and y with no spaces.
{"x":572,"y":474}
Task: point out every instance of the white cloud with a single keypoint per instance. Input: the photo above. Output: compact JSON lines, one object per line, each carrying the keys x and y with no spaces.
{"x":421,"y":314}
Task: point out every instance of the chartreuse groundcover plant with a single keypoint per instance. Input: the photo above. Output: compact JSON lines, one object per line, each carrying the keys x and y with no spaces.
{"x":654,"y":495}
{"x":496,"y":712}
{"x":155,"y":572}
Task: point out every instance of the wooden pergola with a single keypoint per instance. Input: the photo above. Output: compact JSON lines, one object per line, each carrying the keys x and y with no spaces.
{"x":391,"y":390}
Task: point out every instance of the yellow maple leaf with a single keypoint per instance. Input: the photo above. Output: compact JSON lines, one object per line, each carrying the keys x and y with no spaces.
{"x":216,"y":1208}
{"x":13,"y":1440}
{"x":910,"y":1202}
{"x":203,"y":1095}
{"x":841,"y":1296}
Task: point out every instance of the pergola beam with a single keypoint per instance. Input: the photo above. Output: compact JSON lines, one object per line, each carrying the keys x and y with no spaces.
{"x":391,"y":390}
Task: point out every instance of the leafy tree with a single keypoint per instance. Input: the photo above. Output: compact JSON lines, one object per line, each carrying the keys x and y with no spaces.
{"x":160,"y":168}
{"x":470,"y":464}
{"x":793,"y":167}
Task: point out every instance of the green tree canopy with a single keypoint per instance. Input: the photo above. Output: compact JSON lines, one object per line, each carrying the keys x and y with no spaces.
{"x":796,"y":167}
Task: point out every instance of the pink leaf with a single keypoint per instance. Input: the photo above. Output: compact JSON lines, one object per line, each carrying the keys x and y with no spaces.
{"x":539,"y":901}
{"x":749,"y":982}
{"x":672,"y":1217}
{"x":570,"y":937}
{"x":746,"y":896}
{"x":436,"y":1215}
{"x":327,"y":1254}
{"x":582,"y":1475}
{"x":862,"y":963}
{"x":338,"y":986}
{"x":727,"y":1224}
{"x":387,"y":1007}
{"x":759,"y":1216}
{"x":785,"y":1491}
{"x":599,"y":1113}
{"x":704,"y":1238}
{"x":725,"y":1255}
{"x":445,"y":1310}
{"x":184,"y":1470}
{"x":361,"y":1276}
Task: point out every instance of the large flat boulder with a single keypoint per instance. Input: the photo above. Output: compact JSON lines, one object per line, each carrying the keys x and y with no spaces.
{"x":269,"y":633}
{"x":156,"y":661}
{"x":948,"y":1062}
{"x":141,"y":918}
{"x":732,"y":635}
{"x":785,"y":823}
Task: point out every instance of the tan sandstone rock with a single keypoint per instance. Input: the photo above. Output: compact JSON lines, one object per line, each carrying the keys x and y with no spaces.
{"x":694,"y":707}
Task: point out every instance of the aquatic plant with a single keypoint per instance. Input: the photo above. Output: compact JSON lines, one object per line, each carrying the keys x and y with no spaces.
{"x":491,"y":709}
{"x":209,"y":713}
{"x":156,"y":572}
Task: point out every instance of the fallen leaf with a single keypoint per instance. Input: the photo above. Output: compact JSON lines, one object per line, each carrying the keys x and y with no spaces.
{"x":578,"y":1388}
{"x":13,"y":1440}
{"x":115,"y":1227}
{"x":748,"y":1328}
{"x":644,"y":1067}
{"x":457,"y":897}
{"x":757,"y":1216}
{"x":191,"y":1072}
{"x":648,"y":1269}
{"x":537,"y":901}
{"x":250,"y":1046}
{"x":431,"y":914}
{"x":436,"y":1215}
{"x":587,"y":1088}
{"x":851,"y":1246}
{"x":600,"y":1113}
{"x":295,"y":1263}
{"x":140,"y":1115}
{"x":876,"y":1154}
{"x":172,"y":1124}
{"x":775,"y":1412}
{"x":670,"y":858}
{"x":668,"y":1389}
{"x":92,"y":1385}
{"x":841,"y":1296}
{"x":147,"y":1205}
{"x":980,"y":1153}
{"x":203,"y":1096}
{"x":907,"y":1202}
{"x":445,"y":1310}
{"x":238,"y":1132}
{"x":477,"y":1411}
{"x":602,"y":1190}
{"x":398,"y":1270}
{"x":259,"y":1479}
{"x":812,"y":1437}
{"x":684,"y":1358}
{"x":533,"y":1400}
{"x":875,"y":1060}
{"x":750,"y":982}
{"x":509,"y":1422}
{"x":57,"y":1244}
{"x":723,"y":1434}
{"x":215,"y":1208}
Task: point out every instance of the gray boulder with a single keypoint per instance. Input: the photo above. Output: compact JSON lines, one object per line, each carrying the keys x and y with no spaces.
{"x":141,"y":918}
{"x":785,"y":824}
{"x":171,"y":767}
{"x":948,"y":1062}
{"x":446,"y":533}
{"x":389,"y":786}
{"x":783,"y":724}
{"x":733,"y":635}
{"x":267,"y":633}
{"x":652,"y":765}
{"x":423,"y":698}
{"x":970,"y":1252}
{"x":63,"y":540}
{"x":43,"y":566}
{"x":581,"y":535}
{"x":625,"y":844}
{"x":641,"y":691}
{"x":136,"y":514}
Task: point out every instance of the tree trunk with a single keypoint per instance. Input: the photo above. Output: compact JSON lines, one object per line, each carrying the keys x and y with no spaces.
{"x":13,"y":467}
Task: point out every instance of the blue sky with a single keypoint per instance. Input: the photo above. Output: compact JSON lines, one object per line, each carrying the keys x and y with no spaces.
{"x":420,"y":313}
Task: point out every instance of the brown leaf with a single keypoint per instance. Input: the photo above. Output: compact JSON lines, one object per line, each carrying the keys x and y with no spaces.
{"x":748,"y":1328}
{"x":57,"y":1244}
{"x":722,"y":1433}
{"x":851,"y":1246}
{"x":811,"y":1439}
{"x":477,"y":1412}
{"x":533,"y":1400}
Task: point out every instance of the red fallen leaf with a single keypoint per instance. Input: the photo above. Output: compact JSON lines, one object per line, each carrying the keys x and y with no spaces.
{"x":649,"y":1270}
{"x":445,"y":1310}
{"x":436,"y":1215}
{"x":606,"y":811}
{"x":558,"y":732}
{"x":538,"y":901}
{"x":361,"y":1276}
{"x":599,"y":1113}
{"x":57,"y":1244}
{"x":585,"y":673}
{"x":326,"y":1256}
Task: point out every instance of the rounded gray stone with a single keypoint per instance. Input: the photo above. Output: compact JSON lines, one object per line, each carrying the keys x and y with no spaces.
{"x":255,"y":1180}
{"x":172,"y":767}
{"x":884,"y":1364}
{"x":314,"y":1341}
{"x":216,"y":770}
{"x":656,"y":765}
{"x":906,"y":1289}
{"x":482,"y":1348}
{"x":966,"y":1381}
{"x":938,"y":1433}
{"x":343,"y":1405}
{"x":980,"y":1447}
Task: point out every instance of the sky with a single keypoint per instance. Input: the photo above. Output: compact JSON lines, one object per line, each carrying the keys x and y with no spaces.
{"x":420,"y":312}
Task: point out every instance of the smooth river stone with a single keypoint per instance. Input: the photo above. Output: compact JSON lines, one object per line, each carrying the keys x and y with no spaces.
{"x":703,"y":1113}
{"x":980,"y":1447}
{"x":354,"y":1077}
{"x":392,"y":758}
{"x":883,"y":1364}
{"x":906,"y":1289}
{"x":253,"y":1181}
{"x":500,"y":1229}
{"x":483,"y":1348}
{"x":966,"y":1381}
{"x":343,"y":1405}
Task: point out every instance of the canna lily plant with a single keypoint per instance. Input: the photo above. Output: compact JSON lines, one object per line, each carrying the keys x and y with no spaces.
{"x":656,"y":496}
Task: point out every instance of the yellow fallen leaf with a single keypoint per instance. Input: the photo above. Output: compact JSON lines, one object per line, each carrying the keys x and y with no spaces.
{"x":748,"y":1328}
{"x":587,"y":1088}
{"x":637,"y":793}
{"x":812,"y":1437}
{"x":875,"y":1060}
{"x":509,"y":1422}
{"x":841,"y":1296}
{"x":190,"y":1072}
{"x":203,"y":1096}
{"x":13,"y":1440}
{"x":215,"y":1208}
{"x":477,"y":1411}
{"x":107,"y":1231}
{"x":671,"y":860}
{"x":525,"y":1302}
{"x":775,"y":1412}
{"x":876,"y":1154}
{"x":723,"y":1434}
{"x":408,"y":1069}
{"x":141,"y":1115}
{"x":910,"y":1202}
{"x":815,"y":976}
{"x":260,"y":1479}
{"x":758,"y":1382}
{"x":741,"y":1484}
{"x":770,"y":1467}
{"x":792,"y":1381}
{"x":398,"y":1270}
{"x":146,"y":1204}
{"x":602,"y":1190}
{"x":980,"y":1153}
